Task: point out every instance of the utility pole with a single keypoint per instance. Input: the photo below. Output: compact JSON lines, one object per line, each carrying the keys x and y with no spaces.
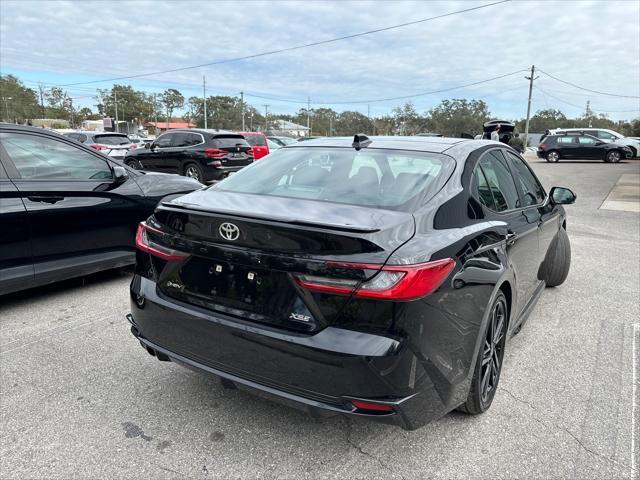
{"x":155,"y":111}
{"x":330,"y":127}
{"x":309,"y":116}
{"x":204,"y":99}
{"x":526,"y":125}
{"x":71,"y":108}
{"x":115,"y":93}
{"x":369,"y":112}
{"x":242,"y":107}
{"x":266,"y":117}
{"x":41,"y":100}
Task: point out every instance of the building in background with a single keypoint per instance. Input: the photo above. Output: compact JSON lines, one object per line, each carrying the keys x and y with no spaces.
{"x":288,"y":129}
{"x":156,"y":128}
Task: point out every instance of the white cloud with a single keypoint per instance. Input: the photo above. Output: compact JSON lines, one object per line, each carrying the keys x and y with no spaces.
{"x":595,"y":44}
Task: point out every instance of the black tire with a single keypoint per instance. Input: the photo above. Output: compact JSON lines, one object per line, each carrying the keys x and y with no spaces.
{"x":613,"y":156}
{"x":194,"y":171}
{"x":558,"y":260}
{"x":132,"y":164}
{"x":486,"y":374}
{"x":552,"y":156}
{"x":634,"y":152}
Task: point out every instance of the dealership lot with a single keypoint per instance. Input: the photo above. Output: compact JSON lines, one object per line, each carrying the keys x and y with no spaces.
{"x":79,"y":397}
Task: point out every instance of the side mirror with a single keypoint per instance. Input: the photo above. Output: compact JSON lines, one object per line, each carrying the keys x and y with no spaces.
{"x":599,"y":143}
{"x":562,"y":196}
{"x":120,"y":175}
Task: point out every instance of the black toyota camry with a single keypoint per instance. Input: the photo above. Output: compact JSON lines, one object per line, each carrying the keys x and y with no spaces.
{"x":379,"y":277}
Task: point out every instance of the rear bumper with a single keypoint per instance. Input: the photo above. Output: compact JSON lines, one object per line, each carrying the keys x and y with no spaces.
{"x":319,"y":373}
{"x":212,"y":174}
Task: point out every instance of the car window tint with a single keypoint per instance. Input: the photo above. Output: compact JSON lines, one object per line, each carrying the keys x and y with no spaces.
{"x":41,"y":158}
{"x":194,"y":139}
{"x":586,"y":141}
{"x":164,"y":141}
{"x":530,"y":189}
{"x":500,"y":181}
{"x":565,"y":140}
{"x":230,"y":141}
{"x":82,"y":138}
{"x":180,"y":140}
{"x":375,"y":177}
{"x":481,"y":189}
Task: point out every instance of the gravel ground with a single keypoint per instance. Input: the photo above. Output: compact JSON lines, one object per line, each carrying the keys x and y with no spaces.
{"x":80,"y":398}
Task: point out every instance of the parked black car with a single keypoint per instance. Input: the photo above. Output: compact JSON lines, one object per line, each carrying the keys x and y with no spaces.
{"x":379,"y":278}
{"x":566,"y":146}
{"x":205,"y":155}
{"x":66,"y":210}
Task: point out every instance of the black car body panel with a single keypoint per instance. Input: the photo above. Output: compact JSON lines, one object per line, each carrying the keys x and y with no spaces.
{"x":324,"y":350}
{"x":62,"y":226}
{"x":576,"y":145}
{"x":214,"y":153}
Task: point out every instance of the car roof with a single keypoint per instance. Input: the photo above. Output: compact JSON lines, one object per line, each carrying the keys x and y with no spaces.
{"x":418,"y":144}
{"x":208,"y":131}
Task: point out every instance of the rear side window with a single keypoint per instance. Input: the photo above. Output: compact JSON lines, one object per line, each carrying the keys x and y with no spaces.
{"x":500,"y":181}
{"x":393,"y":179}
{"x":256,"y":140}
{"x":530,"y":189}
{"x":185,"y":139}
{"x":111,"y":139}
{"x":565,"y":140}
{"x":587,"y":140}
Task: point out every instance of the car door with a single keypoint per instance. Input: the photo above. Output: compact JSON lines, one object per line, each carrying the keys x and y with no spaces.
{"x":498,"y":192}
{"x":534,"y":201}
{"x":80,"y":218}
{"x":157,"y":158}
{"x":567,"y":146}
{"x":16,"y":264}
{"x":589,"y":147}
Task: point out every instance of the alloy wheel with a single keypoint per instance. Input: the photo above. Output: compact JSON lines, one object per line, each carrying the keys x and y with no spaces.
{"x":614,"y":156}
{"x":192,"y":172}
{"x":553,"y":156}
{"x":493,"y":350}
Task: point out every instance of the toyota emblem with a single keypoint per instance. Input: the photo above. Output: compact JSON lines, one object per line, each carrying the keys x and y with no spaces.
{"x":229,"y":231}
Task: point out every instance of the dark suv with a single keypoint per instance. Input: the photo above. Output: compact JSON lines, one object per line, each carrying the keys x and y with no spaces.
{"x":205,"y":155}
{"x":555,"y":147}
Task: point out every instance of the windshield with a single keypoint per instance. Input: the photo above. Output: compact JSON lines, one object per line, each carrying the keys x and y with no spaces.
{"x":373,"y":177}
{"x":112,"y":139}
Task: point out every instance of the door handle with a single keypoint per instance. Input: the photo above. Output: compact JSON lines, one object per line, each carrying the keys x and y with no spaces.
{"x":510,"y":238}
{"x":46,"y":198}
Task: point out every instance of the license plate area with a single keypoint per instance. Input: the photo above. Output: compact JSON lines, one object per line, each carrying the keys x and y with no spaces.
{"x":256,"y":294}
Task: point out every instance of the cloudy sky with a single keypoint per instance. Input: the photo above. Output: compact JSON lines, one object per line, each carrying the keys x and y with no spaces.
{"x":593,"y":44}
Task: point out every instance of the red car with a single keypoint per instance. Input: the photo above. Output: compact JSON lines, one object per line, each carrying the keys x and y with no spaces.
{"x":258,"y":142}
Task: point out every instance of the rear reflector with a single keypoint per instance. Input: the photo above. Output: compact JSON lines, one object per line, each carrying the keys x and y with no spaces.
{"x":98,"y":147}
{"x":392,"y":282}
{"x":146,"y":245}
{"x":372,"y":407}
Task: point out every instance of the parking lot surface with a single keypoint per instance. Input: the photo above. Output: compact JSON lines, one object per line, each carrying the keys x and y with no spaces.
{"x":80,"y":398}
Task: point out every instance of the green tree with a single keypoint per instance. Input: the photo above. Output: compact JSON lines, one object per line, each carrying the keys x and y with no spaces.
{"x":350,"y":123}
{"x":17,"y":102}
{"x":172,"y":99}
{"x":457,"y":116}
{"x":406,"y":120}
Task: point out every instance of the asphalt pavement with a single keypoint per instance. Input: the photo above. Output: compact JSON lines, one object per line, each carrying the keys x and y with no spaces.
{"x":79,"y":397}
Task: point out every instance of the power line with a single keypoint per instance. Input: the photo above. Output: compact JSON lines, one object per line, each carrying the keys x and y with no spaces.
{"x":586,"y":89}
{"x":403,"y":97}
{"x":289,"y":49}
{"x":582,"y":106}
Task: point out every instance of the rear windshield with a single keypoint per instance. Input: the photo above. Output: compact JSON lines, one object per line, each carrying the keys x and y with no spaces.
{"x":372,"y":177}
{"x":111,"y":139}
{"x":256,"y":140}
{"x":229,"y":142}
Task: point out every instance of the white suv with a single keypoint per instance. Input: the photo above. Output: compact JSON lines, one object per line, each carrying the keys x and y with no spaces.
{"x":604,"y":134}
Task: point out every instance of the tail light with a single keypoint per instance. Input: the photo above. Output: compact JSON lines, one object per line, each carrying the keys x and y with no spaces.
{"x":542,"y":145}
{"x":144,"y":243}
{"x":392,"y":282}
{"x":133,"y":146}
{"x":215,"y":153}
{"x":250,"y":152}
{"x":98,"y":147}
